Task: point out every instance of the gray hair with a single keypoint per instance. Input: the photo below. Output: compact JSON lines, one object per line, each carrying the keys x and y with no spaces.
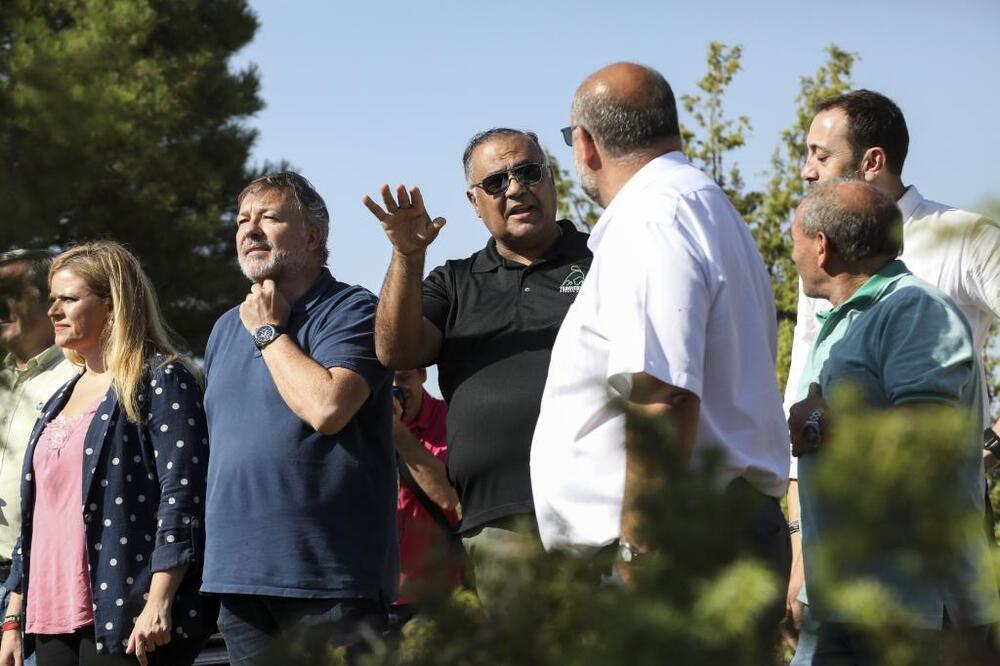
{"x":310,"y":203}
{"x":482,"y":137}
{"x":627,"y":125}
{"x":39,"y":262}
{"x":860,"y":220}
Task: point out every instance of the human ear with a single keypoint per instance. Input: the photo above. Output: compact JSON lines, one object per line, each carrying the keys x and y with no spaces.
{"x":873,"y":163}
{"x":471,"y":196}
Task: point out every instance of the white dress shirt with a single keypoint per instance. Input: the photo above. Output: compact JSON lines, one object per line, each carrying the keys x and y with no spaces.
{"x":677,"y":290}
{"x":956,"y":251}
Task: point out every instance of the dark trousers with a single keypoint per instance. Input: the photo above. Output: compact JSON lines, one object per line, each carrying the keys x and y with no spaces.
{"x":279,"y":630}
{"x":761,"y":531}
{"x":79,"y":649}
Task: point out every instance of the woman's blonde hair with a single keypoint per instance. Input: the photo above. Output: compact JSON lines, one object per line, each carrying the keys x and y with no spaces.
{"x":135,"y":330}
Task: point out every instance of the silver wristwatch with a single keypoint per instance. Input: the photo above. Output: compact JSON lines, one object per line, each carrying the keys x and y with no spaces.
{"x":628,"y":553}
{"x":266,"y":334}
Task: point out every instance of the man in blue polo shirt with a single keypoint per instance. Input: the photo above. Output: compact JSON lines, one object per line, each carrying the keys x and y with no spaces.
{"x":901,"y":343}
{"x":300,"y":512}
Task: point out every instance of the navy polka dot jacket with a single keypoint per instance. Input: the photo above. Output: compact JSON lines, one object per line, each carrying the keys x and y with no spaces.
{"x":143,"y":503}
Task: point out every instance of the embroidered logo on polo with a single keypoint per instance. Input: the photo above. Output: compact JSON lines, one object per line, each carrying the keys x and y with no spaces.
{"x":573,"y":281}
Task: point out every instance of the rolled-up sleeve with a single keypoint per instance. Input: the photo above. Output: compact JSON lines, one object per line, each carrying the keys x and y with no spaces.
{"x":179,"y":437}
{"x":13,"y":582}
{"x":982,"y":273}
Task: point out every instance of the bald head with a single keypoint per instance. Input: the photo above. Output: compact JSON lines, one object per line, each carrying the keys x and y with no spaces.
{"x":860,"y":220}
{"x":629,"y":109}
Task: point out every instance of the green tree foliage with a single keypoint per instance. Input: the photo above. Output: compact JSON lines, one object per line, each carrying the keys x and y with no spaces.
{"x":121,"y":119}
{"x":695,"y":600}
{"x":573,"y":204}
{"x":768,"y":212}
{"x":718,"y":135}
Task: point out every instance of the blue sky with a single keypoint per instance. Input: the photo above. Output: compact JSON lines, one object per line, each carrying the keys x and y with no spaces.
{"x":362,"y":93}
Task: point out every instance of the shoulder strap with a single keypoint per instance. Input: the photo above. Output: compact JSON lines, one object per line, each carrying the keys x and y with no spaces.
{"x":435,"y":512}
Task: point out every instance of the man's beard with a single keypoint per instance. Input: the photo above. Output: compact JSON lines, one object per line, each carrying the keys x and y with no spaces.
{"x":588,"y":183}
{"x":278,"y":264}
{"x":849,"y":173}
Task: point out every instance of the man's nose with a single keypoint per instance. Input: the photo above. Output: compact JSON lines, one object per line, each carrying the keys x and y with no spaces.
{"x":809,"y":171}
{"x":513,"y":185}
{"x":251,"y":229}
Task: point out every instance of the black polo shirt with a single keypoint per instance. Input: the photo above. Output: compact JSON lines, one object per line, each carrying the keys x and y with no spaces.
{"x":499,"y":320}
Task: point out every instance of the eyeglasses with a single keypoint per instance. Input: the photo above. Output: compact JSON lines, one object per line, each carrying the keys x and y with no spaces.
{"x":567,"y":133}
{"x":498,"y":182}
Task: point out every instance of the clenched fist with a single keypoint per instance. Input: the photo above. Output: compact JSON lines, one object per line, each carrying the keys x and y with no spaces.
{"x":264,"y":305}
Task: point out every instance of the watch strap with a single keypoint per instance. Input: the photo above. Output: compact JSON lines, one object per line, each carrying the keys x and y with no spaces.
{"x":991,"y":441}
{"x":278,"y":332}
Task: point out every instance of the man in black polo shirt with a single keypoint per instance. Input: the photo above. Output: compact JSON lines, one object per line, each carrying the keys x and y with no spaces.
{"x":489,"y":322}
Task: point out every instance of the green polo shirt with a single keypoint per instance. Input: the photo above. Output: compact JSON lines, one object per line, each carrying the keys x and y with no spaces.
{"x":900,"y":340}
{"x":22,"y":394}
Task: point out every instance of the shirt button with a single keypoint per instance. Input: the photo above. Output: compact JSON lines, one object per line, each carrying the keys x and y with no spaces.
{"x":527,"y":288}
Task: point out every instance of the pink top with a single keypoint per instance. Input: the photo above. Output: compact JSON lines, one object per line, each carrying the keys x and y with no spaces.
{"x":59,"y":600}
{"x":422,"y":542}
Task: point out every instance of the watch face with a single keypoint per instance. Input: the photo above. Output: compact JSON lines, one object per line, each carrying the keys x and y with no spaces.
{"x":264,"y":334}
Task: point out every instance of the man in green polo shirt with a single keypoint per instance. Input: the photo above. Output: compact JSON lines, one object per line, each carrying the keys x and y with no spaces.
{"x":900,"y":343}
{"x":31,"y":371}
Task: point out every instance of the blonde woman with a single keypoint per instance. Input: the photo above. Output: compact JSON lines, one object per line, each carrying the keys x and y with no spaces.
{"x":126,"y":441}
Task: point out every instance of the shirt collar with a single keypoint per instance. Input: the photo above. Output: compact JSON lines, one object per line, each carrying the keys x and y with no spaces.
{"x":38,"y":363}
{"x":648,"y":174}
{"x":568,"y":244}
{"x":868,"y":293}
{"x":909,"y":202}
{"x":318,"y":289}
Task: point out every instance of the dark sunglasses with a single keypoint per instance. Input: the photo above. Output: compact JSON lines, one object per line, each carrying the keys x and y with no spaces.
{"x":526,"y":174}
{"x":567,"y":133}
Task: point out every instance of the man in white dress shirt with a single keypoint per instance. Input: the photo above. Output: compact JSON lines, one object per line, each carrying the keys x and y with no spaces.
{"x":862,"y":134}
{"x":676,"y":318}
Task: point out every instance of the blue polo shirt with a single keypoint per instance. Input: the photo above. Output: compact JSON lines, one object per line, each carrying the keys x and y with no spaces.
{"x":291,"y":512}
{"x":900,"y":340}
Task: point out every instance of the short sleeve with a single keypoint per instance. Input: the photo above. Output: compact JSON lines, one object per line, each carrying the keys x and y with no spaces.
{"x":926,"y":353}
{"x":658,"y":310}
{"x":347,"y":339}
{"x":437,"y":297}
{"x":982,"y":270}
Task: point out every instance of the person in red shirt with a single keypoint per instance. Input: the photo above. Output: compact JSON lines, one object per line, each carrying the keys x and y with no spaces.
{"x":430,"y":562}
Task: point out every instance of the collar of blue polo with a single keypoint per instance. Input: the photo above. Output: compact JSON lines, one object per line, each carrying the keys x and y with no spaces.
{"x":870,"y":291}
{"x":319,"y":287}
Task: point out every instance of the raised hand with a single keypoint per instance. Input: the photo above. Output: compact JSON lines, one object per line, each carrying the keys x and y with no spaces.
{"x":405,"y":220}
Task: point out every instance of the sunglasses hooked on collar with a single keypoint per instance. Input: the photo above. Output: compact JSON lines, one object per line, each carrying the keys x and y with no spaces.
{"x":498,"y":182}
